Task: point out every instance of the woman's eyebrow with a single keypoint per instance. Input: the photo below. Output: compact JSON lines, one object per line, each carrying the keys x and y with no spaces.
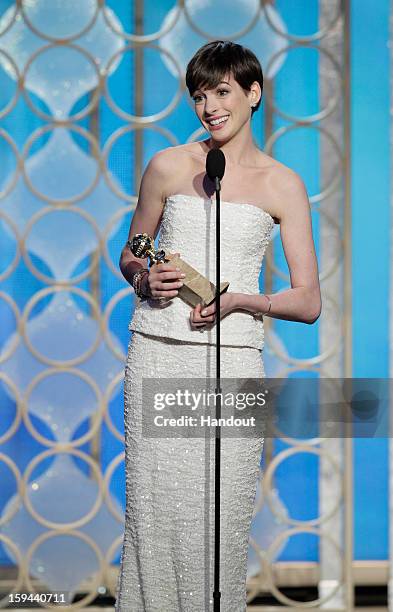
{"x":216,"y":85}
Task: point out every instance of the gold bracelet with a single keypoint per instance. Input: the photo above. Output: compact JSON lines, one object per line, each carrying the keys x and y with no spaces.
{"x":137,"y":281}
{"x":262,"y":314}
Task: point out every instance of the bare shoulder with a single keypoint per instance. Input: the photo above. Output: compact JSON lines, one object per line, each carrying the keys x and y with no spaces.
{"x":169,"y":165}
{"x":285,"y":189}
{"x":188,"y":151}
{"x":163,"y":160}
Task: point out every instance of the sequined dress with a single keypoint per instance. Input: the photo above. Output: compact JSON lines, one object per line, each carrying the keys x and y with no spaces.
{"x":167,"y":558}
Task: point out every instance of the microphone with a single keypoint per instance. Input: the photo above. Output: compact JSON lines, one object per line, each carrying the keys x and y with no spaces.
{"x":215,"y":166}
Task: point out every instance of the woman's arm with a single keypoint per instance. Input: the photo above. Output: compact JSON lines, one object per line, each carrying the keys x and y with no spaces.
{"x":160,"y":280}
{"x":289,"y":202}
{"x":303,"y":301}
{"x":147,"y":214}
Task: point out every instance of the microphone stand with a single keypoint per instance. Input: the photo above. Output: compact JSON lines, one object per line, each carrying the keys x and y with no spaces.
{"x":217,"y":592}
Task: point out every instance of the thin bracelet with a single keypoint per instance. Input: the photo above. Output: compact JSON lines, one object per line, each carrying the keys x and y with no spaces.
{"x":262,"y":314}
{"x":270,"y":305}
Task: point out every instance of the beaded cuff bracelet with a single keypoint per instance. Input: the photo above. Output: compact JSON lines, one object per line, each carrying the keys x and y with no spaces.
{"x":137,"y":282}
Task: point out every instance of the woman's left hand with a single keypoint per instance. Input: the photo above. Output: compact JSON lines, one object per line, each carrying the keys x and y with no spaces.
{"x":199,"y":321}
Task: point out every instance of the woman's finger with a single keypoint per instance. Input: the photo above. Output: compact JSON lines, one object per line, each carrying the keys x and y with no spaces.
{"x":194,"y":319}
{"x":201,"y":318}
{"x":197,"y":314}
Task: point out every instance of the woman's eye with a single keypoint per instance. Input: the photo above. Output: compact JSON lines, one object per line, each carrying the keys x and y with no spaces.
{"x":219,"y":91}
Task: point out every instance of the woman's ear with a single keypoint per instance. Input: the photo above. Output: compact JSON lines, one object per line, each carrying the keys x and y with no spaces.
{"x":255,"y":93}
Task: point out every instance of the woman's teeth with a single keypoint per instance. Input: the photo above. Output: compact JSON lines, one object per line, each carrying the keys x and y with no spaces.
{"x":218,"y":121}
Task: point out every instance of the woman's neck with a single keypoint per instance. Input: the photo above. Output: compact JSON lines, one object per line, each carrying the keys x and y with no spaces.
{"x":235,"y":156}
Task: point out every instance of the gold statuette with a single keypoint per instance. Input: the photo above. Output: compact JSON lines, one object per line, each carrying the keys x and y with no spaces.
{"x":196,"y":289}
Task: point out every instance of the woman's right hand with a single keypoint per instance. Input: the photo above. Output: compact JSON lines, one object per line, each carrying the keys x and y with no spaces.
{"x":163,"y":281}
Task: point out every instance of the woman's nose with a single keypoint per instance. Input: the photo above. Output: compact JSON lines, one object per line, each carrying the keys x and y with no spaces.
{"x":210,"y":106}
{"x":210,"y":109}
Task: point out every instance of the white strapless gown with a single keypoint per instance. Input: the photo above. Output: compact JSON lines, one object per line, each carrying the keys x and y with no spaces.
{"x":167,"y":559}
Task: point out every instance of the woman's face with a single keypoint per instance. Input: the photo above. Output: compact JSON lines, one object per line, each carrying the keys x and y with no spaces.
{"x":226,"y":102}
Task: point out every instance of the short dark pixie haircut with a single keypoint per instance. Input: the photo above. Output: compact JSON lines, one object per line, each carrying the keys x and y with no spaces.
{"x":212,"y":62}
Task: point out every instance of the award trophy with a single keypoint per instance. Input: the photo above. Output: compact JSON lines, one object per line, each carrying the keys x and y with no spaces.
{"x":196,"y":289}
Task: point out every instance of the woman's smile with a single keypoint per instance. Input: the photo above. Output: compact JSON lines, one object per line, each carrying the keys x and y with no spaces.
{"x":217,"y":124}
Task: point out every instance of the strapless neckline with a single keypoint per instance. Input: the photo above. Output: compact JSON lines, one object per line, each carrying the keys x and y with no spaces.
{"x":202,"y":199}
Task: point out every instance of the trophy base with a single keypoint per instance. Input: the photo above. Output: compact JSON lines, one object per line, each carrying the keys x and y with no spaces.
{"x":196,"y":288}
{"x":194,"y":298}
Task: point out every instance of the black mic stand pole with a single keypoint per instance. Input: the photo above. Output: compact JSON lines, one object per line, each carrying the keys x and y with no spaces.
{"x":217,"y":592}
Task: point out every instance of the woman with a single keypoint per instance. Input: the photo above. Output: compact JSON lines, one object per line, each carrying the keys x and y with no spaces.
{"x":168,"y":551}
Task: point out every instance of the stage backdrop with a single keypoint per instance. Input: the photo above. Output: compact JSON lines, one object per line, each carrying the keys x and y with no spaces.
{"x":89,"y":91}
